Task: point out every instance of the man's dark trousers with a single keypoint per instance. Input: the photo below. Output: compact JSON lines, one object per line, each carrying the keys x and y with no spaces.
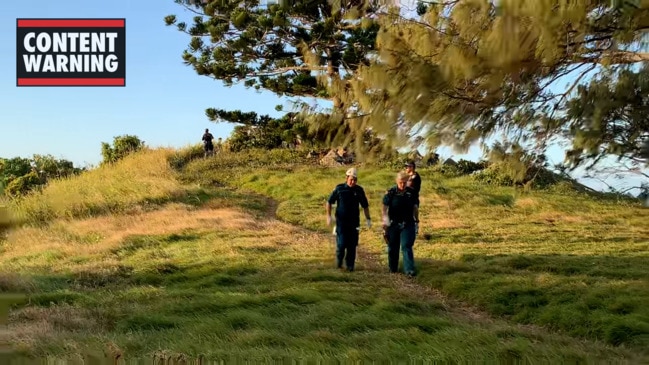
{"x":346,"y":243}
{"x":401,"y":236}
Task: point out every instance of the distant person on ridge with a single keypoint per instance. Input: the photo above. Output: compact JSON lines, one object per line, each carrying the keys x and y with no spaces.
{"x":208,"y":146}
{"x":347,"y":197}
{"x":219,"y":145}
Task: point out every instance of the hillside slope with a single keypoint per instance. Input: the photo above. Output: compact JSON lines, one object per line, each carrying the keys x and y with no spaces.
{"x":232,"y":258}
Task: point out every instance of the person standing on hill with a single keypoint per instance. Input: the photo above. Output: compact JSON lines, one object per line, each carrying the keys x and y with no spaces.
{"x":208,"y":146}
{"x":400,"y":223}
{"x":414,"y":180}
{"x":348,"y":196}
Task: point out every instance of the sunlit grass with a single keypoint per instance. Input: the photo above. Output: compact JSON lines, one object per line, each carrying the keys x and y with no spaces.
{"x":493,"y":247}
{"x":228,"y":284}
{"x":237,"y":261}
{"x":139,"y":178}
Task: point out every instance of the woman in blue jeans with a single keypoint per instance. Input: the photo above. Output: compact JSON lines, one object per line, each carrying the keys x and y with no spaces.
{"x":401,"y":223}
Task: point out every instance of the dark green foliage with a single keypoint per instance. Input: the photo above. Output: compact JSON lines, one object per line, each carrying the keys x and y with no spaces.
{"x":609,"y":116}
{"x":262,"y":45}
{"x":282,"y":48}
{"x":431,"y":158}
{"x":23,"y":184}
{"x":13,"y":168}
{"x":182,"y":157}
{"x":18,"y":175}
{"x":49,"y":167}
{"x":468,"y":71}
{"x":466,"y":167}
{"x":122,"y":146}
{"x":262,"y":131}
{"x":502,"y":174}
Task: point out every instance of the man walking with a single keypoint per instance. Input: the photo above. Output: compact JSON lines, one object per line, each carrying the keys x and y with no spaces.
{"x":414,"y":180}
{"x":348,"y":196}
{"x":208,"y":146}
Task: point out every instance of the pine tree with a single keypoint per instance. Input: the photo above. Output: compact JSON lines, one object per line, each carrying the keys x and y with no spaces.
{"x":267,"y":46}
{"x":463,"y":71}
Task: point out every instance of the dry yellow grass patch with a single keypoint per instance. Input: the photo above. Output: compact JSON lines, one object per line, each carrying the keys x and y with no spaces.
{"x":136,"y":178}
{"x":439,"y":213}
{"x":526,"y":203}
{"x":6,"y":218}
{"x":442,"y":223}
{"x":438,"y":202}
{"x":96,"y":235}
{"x":558,"y":217}
{"x":31,"y":326}
{"x":14,"y":283}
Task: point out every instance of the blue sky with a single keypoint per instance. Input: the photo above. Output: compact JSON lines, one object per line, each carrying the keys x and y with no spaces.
{"x":163,"y":102}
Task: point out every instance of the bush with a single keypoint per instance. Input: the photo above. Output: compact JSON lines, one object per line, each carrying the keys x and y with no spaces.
{"x":466,"y":167}
{"x":122,"y":147}
{"x":447,"y":170}
{"x":504,"y":174}
{"x":22,"y":185}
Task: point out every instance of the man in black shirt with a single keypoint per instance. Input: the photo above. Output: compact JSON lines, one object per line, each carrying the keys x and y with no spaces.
{"x":414,"y":180}
{"x":400,"y":221}
{"x":208,"y":146}
{"x":347,"y":197}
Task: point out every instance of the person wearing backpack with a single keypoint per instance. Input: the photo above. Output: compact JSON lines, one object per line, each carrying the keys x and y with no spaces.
{"x":401,"y":223}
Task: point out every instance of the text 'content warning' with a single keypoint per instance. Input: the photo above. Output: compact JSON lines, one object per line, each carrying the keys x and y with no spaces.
{"x":71,"y":52}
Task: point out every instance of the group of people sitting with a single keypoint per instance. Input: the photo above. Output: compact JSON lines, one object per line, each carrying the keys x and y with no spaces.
{"x":400,"y":218}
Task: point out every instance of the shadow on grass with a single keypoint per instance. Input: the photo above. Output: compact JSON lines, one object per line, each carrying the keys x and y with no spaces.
{"x":224,"y":196}
{"x":266,"y":303}
{"x":506,"y":200}
{"x":259,"y":299}
{"x":542,"y":235}
{"x":591,"y":296}
{"x":244,"y":305}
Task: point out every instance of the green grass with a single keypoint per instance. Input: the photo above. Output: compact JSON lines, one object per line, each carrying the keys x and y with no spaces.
{"x":558,"y":258}
{"x":237,"y":262}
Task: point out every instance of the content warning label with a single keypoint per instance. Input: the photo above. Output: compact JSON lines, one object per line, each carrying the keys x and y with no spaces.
{"x":71,"y":52}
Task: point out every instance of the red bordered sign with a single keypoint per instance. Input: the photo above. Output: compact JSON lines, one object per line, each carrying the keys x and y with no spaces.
{"x":71,"y":52}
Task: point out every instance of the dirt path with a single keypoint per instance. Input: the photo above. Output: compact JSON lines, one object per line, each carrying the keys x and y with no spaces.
{"x":372,"y":264}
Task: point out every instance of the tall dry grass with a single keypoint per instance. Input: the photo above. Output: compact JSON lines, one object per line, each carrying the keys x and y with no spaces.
{"x":141,"y":178}
{"x":6,"y":218}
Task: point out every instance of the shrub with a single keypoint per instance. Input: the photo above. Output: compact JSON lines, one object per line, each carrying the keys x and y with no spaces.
{"x":122,"y":147}
{"x":22,"y":185}
{"x":466,"y":167}
{"x":504,"y":174}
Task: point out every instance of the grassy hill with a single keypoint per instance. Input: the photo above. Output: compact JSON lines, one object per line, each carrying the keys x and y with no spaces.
{"x":230,"y":257}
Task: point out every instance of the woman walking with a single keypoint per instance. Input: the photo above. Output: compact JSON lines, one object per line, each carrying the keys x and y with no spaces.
{"x":400,"y":223}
